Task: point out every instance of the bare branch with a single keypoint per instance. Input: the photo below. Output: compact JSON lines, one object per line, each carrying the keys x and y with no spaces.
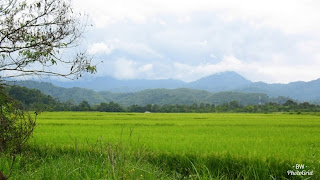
{"x":5,"y":5}
{"x":38,"y":33}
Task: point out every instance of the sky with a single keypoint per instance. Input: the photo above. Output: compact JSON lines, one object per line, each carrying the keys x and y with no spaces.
{"x":272,"y":41}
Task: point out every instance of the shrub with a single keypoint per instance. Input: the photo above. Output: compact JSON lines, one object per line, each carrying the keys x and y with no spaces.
{"x":16,"y":126}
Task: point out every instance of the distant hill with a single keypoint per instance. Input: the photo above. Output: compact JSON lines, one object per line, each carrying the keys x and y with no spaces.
{"x":114,"y":85}
{"x":75,"y":94}
{"x":150,"y":96}
{"x":301,"y":91}
{"x":184,"y":96}
{"x":226,"y":81}
{"x":30,"y":97}
{"x":221,"y":82}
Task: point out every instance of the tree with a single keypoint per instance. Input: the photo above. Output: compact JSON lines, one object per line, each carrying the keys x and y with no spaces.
{"x":84,"y":106}
{"x":35,"y":39}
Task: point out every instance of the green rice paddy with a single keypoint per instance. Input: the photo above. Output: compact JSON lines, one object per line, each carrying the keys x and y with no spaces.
{"x":95,"y":145}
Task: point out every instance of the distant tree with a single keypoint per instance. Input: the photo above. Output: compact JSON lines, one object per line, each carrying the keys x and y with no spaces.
{"x":290,"y":103}
{"x":69,"y":104}
{"x":305,"y":105}
{"x":84,"y":106}
{"x":115,"y":107}
{"x":234,"y":104}
{"x":249,"y":108}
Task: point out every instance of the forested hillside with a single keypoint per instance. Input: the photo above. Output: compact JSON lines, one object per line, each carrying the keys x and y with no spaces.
{"x":150,"y":96}
{"x":220,"y":82}
{"x":32,"y":99}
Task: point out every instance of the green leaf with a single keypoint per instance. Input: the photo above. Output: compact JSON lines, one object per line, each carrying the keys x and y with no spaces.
{"x":91,"y":69}
{"x":53,"y":61}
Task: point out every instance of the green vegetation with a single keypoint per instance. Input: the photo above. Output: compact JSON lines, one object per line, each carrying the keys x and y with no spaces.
{"x":97,"y":145}
{"x":180,"y":96}
{"x":220,"y":82}
{"x":35,"y":100}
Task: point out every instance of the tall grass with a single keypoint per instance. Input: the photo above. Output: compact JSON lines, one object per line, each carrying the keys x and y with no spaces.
{"x":168,"y":146}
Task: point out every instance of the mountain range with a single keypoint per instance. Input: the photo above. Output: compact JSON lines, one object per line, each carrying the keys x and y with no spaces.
{"x":107,"y":87}
{"x":225,"y":81}
{"x":148,"y":96}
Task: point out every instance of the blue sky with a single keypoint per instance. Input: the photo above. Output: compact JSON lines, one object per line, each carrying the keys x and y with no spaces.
{"x":270,"y":41}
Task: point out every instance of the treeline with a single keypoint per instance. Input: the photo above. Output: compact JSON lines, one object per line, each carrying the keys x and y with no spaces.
{"x":35,"y":100}
{"x":233,"y":106}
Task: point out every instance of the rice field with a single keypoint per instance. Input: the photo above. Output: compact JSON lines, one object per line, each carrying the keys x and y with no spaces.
{"x":96,"y":145}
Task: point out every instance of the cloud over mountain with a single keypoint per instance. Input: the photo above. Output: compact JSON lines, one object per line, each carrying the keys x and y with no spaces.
{"x":267,"y":41}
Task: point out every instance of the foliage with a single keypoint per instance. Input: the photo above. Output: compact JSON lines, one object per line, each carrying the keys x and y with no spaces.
{"x":32,"y":99}
{"x":34,"y":35}
{"x":16,"y":126}
{"x":35,"y":100}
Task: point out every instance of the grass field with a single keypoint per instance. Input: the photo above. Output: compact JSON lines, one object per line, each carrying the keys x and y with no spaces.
{"x":92,"y":145}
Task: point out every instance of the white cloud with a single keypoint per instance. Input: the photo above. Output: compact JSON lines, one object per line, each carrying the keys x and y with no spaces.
{"x":270,"y":72}
{"x":145,"y":68}
{"x":203,"y":43}
{"x":138,"y":49}
{"x":185,"y":19}
{"x":99,"y":48}
{"x":213,"y":56}
{"x":292,"y":16}
{"x":273,"y":41}
{"x":125,"y":69}
{"x":133,"y":48}
{"x":276,"y":74}
{"x":190,"y":73}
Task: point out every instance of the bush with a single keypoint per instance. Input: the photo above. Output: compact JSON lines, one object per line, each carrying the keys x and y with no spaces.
{"x":16,"y":126}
